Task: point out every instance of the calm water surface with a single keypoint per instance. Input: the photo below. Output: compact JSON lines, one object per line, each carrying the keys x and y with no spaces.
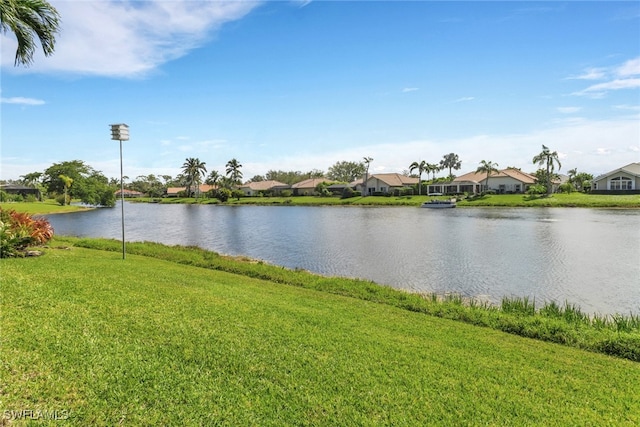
{"x":588,"y":257}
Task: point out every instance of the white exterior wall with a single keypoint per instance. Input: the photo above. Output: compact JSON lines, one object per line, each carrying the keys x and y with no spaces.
{"x":508,"y":182}
{"x":605,"y":182}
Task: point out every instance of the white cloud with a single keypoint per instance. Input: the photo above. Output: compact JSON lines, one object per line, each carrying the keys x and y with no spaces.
{"x":629,"y":68}
{"x":127,"y":38}
{"x":600,"y":89}
{"x":591,"y":146}
{"x":22,"y":101}
{"x":569,"y":110}
{"x":465,"y":99}
{"x":627,"y":107}
{"x":619,"y":77}
{"x":591,"y":74}
{"x":409,"y":89}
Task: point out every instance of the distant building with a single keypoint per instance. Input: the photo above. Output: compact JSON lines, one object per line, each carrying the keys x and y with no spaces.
{"x":263,"y":187}
{"x":201,"y":190}
{"x":22,"y":190}
{"x":308,"y":186}
{"x":624,"y":180}
{"x":129,"y":193}
{"x":385,"y":183}
{"x":505,"y":181}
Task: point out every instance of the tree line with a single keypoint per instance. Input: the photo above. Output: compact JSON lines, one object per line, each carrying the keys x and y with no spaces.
{"x":76,"y":180}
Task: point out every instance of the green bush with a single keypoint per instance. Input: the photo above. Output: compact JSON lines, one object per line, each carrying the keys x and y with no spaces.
{"x":223,"y":194}
{"x":566,"y":188}
{"x":537,"y":189}
{"x":349,"y":192}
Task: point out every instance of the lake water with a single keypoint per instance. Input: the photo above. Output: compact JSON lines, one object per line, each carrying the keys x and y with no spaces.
{"x":588,"y":257}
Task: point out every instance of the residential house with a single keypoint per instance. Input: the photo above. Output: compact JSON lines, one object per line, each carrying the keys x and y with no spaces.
{"x":505,"y":181}
{"x":622,"y":180}
{"x":385,"y":183}
{"x":263,"y":187}
{"x":200,"y":191}
{"x":22,"y":190}
{"x":307,"y":187}
{"x":129,"y":193}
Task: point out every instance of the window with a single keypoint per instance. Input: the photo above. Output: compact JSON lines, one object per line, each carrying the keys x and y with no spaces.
{"x":621,"y":183}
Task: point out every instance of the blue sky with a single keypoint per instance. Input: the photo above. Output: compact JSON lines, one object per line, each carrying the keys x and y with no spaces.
{"x":302,"y":85}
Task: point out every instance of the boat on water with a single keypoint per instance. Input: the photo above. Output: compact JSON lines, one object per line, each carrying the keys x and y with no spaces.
{"x":439,"y":204}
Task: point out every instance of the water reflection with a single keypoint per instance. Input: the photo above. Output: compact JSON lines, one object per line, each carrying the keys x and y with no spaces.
{"x":584,"y":256}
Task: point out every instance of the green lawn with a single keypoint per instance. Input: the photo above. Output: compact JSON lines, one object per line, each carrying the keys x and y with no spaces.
{"x":495,"y":200}
{"x":48,"y":206}
{"x":556,"y":200}
{"x":145,"y":341}
{"x":501,"y":200}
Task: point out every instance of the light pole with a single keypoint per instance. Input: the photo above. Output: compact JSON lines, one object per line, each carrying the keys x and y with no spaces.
{"x":120,"y":132}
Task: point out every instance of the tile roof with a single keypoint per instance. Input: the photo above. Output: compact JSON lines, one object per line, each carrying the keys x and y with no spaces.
{"x":394,"y":179}
{"x":310,"y":183}
{"x":512,"y":173}
{"x":631,"y":168}
{"x":264,"y":185}
{"x":203,"y":189}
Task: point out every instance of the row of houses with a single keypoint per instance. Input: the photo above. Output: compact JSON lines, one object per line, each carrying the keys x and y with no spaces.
{"x":622,"y":180}
{"x":506,"y":181}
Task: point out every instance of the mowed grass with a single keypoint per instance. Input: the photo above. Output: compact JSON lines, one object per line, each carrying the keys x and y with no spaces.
{"x":144,"y":341}
{"x":48,"y":206}
{"x":583,"y":200}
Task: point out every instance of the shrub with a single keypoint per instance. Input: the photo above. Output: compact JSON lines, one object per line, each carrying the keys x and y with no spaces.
{"x":537,"y":189}
{"x":222,"y":194}
{"x":566,"y":188}
{"x":286,"y":193}
{"x":236,"y":194}
{"x":348,"y":192}
{"x":18,"y":230}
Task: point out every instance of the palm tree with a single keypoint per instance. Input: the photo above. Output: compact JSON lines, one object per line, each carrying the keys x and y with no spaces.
{"x":213,"y":178}
{"x":433,"y":168}
{"x":572,"y":177}
{"x":67,"y":184}
{"x":546,"y":157}
{"x":193,"y":170}
{"x":367,"y":162}
{"x":422,"y":167}
{"x":450,"y":161}
{"x":233,"y":171}
{"x":26,"y":19}
{"x":489,"y":168}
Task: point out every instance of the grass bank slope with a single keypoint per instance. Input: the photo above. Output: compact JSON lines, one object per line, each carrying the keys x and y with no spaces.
{"x":144,"y":341}
{"x":582,"y":200}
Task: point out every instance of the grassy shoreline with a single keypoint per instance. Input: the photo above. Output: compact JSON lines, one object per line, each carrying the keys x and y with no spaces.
{"x":495,"y":200}
{"x":182,"y":336}
{"x":617,"y":335}
{"x":573,"y":200}
{"x":46,"y":207}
